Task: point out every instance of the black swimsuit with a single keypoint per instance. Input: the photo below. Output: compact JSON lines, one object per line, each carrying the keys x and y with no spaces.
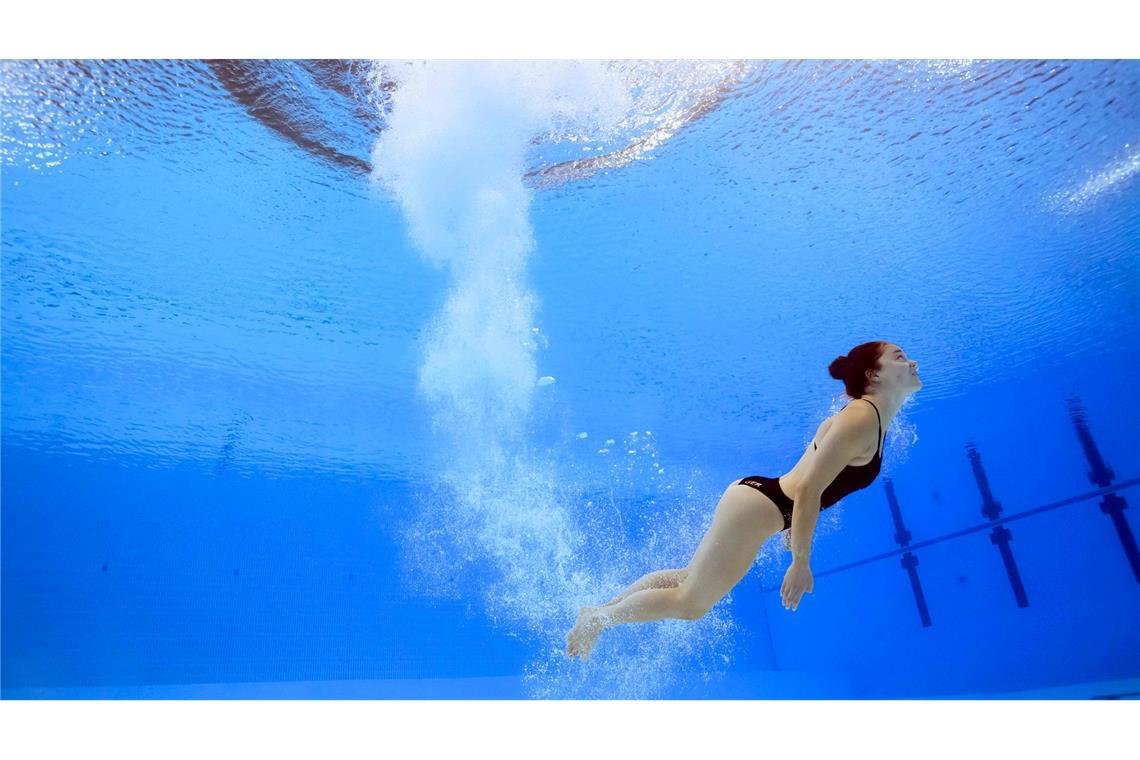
{"x":850,"y":479}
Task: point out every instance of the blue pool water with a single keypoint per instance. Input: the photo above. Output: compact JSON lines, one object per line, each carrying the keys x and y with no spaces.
{"x":340,"y":379}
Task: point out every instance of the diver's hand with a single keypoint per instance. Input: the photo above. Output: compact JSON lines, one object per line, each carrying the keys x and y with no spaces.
{"x":797,"y":580}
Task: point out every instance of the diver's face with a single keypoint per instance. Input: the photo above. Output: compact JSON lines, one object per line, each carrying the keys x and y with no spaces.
{"x":897,"y":370}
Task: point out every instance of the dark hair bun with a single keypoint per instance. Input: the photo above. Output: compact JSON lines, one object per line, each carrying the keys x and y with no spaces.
{"x":852,"y":369}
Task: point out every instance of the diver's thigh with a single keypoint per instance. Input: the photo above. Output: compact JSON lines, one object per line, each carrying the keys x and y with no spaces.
{"x":727,"y":551}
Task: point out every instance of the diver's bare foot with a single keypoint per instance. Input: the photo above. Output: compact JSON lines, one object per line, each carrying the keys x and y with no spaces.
{"x":582,"y":637}
{"x":575,"y":635}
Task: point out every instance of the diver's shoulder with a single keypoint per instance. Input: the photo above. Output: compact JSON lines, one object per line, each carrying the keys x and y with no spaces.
{"x":858,"y":412}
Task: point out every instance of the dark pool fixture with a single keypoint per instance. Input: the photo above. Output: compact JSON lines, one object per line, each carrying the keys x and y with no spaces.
{"x":1000,"y":536}
{"x":909,"y":559}
{"x":1101,"y":475}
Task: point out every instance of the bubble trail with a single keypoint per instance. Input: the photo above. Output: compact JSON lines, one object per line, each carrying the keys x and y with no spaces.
{"x":499,"y":527}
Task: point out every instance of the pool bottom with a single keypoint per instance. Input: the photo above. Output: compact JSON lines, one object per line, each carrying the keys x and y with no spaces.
{"x":749,"y":685}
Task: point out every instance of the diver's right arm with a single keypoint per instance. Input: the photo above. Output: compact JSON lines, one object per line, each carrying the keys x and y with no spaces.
{"x":798,"y":579}
{"x":805,"y":514}
{"x":844,"y":441}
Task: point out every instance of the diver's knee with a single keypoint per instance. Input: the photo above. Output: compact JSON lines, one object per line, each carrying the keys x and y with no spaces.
{"x":691,"y":607}
{"x":696,"y":612}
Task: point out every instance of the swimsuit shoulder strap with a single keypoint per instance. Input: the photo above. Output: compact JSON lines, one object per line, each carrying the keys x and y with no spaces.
{"x":877,"y":440}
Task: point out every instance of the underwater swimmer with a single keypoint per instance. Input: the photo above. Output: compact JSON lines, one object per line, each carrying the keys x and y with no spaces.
{"x":845,"y":456}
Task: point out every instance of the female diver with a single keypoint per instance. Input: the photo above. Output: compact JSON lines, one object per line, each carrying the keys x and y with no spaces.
{"x":845,"y":456}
